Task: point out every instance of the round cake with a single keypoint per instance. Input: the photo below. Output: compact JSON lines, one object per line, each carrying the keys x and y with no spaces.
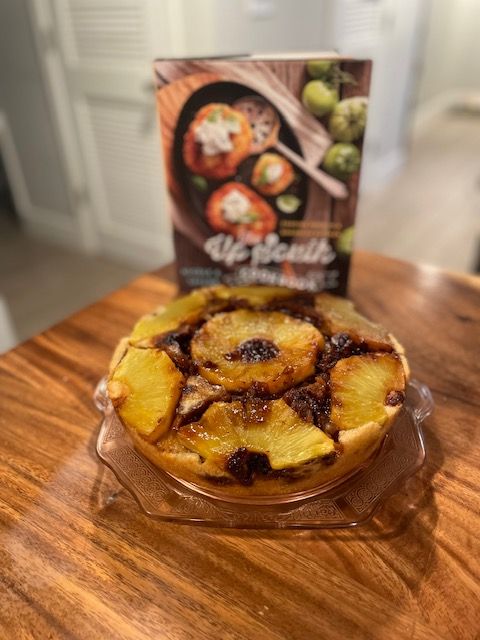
{"x":257,"y":390}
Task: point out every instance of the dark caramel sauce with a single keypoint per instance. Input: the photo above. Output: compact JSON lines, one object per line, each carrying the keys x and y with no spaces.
{"x":254,"y":350}
{"x":394,"y":397}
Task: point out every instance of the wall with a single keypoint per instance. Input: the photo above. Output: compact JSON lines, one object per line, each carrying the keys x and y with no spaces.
{"x":389,"y":31}
{"x":401,"y":30}
{"x":216,"y":27}
{"x":452,"y":51}
{"x":23,"y":100}
{"x":291,"y":26}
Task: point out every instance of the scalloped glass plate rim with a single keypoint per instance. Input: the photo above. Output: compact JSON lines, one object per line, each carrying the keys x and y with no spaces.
{"x":350,"y":502}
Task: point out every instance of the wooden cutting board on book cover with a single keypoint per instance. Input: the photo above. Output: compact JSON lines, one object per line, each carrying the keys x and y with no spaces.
{"x":170,"y":100}
{"x":313,"y":137}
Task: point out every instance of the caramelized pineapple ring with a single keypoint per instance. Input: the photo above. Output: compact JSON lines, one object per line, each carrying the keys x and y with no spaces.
{"x":239,"y":348}
{"x":365,"y":389}
{"x":256,"y":296}
{"x":340,"y":316}
{"x":145,"y":388}
{"x":184,"y":310}
{"x":281,"y":435}
{"x":190,"y":308}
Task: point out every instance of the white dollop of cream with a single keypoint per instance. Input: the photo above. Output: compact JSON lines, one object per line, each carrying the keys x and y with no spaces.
{"x":273,"y":172}
{"x":235,"y":207}
{"x":215,"y":135}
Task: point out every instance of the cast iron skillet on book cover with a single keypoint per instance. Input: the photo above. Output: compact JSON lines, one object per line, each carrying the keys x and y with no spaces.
{"x":230,"y":93}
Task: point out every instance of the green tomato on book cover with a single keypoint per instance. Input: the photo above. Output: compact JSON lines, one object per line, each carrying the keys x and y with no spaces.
{"x":341,"y":160}
{"x":348,"y":119}
{"x":319,"y":97}
{"x":344,"y":242}
{"x":320,"y":69}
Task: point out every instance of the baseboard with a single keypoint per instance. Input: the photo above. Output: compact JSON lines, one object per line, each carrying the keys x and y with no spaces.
{"x":61,"y":230}
{"x":8,"y":336}
{"x":52,"y":226}
{"x":55,"y":226}
{"x":432,"y":108}
{"x":13,"y":169}
{"x":378,"y":171}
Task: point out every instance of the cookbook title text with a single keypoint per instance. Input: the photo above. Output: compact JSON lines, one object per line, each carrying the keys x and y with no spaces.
{"x":229,"y":251}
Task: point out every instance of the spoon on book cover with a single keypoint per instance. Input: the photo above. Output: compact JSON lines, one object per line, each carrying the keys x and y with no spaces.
{"x":265,"y":125}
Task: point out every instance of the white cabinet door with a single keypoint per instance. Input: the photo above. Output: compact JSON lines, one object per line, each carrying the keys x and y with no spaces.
{"x":107,"y":48}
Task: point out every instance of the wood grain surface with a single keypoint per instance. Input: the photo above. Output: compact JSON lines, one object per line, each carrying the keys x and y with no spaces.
{"x":79,"y":560}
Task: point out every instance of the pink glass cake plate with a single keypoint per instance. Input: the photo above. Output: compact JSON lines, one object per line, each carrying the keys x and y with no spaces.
{"x":349,"y":502}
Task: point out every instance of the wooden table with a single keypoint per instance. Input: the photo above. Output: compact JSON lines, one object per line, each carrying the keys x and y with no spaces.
{"x":77,"y":563}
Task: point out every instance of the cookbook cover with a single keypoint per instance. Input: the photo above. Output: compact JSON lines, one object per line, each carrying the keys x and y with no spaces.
{"x":262,"y":159}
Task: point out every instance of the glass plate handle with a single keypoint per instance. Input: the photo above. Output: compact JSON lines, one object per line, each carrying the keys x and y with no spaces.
{"x":423,"y":403}
{"x":100,"y":398}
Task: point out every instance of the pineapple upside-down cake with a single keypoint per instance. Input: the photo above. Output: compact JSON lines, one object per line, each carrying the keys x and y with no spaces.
{"x":258,"y":390}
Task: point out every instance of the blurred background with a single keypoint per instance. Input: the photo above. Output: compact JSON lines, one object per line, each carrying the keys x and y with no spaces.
{"x":81,"y":192}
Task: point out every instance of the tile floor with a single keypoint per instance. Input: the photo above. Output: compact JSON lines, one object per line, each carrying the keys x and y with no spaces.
{"x":429,"y":214}
{"x":41,"y":283}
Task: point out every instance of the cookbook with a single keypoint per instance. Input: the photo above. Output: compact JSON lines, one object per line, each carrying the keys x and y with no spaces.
{"x":262,"y":161}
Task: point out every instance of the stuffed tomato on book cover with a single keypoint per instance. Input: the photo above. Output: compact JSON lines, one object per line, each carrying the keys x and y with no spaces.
{"x":262,"y":158}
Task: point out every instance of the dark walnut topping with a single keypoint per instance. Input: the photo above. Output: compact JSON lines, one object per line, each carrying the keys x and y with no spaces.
{"x":311,"y":402}
{"x":394,"y":398}
{"x":331,"y":430}
{"x":217,"y":305}
{"x":244,"y":465}
{"x":336,"y":348}
{"x":260,"y":390}
{"x":330,"y":458}
{"x":254,"y":409}
{"x":208,"y":364}
{"x":197,"y":395}
{"x":254,"y":402}
{"x":176,"y":345}
{"x":254,"y":350}
{"x":293,"y":474}
{"x":301,"y":307}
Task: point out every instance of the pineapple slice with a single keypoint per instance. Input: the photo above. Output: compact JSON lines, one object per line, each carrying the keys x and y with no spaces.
{"x":340,"y":316}
{"x":144,"y":389}
{"x":256,"y":296}
{"x":282,"y":436}
{"x":189,"y":309}
{"x":366,"y":388}
{"x":286,"y":439}
{"x":244,"y":347}
{"x":218,"y":432}
{"x":184,"y":310}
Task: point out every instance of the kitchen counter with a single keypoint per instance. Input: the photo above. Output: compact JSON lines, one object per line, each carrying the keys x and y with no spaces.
{"x":78,"y":559}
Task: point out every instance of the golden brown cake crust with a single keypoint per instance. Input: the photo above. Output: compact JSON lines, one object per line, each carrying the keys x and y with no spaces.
{"x":359,"y":448}
{"x":192,"y":448}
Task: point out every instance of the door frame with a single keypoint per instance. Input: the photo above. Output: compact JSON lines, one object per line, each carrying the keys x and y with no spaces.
{"x":13,"y":169}
{"x":95,"y":234}
{"x":63,"y":121}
